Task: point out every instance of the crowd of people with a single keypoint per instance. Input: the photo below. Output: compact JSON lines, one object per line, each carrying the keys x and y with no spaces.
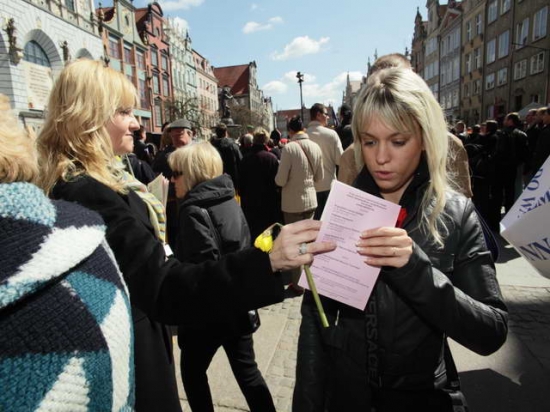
{"x":122,"y":289}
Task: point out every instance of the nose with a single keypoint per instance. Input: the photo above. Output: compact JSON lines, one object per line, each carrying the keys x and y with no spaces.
{"x":382,"y":153}
{"x":134,"y":124}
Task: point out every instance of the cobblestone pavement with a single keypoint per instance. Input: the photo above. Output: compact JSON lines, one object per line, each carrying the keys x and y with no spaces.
{"x":529,"y":311}
{"x":280,"y":375}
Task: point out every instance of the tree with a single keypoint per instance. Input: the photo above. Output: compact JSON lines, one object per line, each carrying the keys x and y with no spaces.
{"x":188,"y":108}
{"x":243,"y":116}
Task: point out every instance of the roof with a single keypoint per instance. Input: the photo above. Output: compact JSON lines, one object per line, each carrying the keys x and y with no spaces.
{"x":236,"y":77}
{"x":287,"y":114}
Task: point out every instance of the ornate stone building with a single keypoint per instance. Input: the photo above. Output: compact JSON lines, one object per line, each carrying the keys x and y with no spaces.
{"x":207,"y":88}
{"x":150,"y":25}
{"x":124,"y":51}
{"x":37,"y":39}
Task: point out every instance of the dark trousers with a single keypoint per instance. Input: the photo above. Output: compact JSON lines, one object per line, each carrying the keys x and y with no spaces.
{"x":502,"y":193}
{"x":197,"y":352}
{"x":321,"y":202}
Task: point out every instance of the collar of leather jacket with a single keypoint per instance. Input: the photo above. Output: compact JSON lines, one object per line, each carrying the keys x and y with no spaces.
{"x":413,"y":193}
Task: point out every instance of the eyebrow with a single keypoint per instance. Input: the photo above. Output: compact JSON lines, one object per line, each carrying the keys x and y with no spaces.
{"x":367,"y":134}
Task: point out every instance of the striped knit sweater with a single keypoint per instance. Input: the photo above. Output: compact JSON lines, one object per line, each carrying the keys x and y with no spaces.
{"x":65,"y":323}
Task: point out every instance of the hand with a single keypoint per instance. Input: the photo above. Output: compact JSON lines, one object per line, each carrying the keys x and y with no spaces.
{"x":385,"y":246}
{"x":286,"y":255}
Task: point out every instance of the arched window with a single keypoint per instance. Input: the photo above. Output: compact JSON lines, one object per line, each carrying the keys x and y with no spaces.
{"x":36,"y":54}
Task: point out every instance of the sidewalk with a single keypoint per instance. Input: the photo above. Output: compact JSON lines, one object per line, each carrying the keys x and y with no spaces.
{"x":515,"y":379}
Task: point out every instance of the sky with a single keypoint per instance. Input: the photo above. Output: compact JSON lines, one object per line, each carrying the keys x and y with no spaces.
{"x":325,"y":40}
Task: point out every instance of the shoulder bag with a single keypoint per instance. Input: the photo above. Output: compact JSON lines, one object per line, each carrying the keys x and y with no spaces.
{"x":458,"y":400}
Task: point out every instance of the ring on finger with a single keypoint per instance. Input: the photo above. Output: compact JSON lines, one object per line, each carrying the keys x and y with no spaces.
{"x":302,"y":250}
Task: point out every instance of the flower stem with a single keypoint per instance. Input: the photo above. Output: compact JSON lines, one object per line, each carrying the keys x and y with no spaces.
{"x":318,"y":303}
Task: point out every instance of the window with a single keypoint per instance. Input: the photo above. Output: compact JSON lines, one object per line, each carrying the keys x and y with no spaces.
{"x":490,"y":81}
{"x":35,"y":54}
{"x":455,"y":98}
{"x":469,"y":31}
{"x":156,"y":85}
{"x":165,"y":86}
{"x":491,"y":45}
{"x":492,"y":11}
{"x":477,"y":87}
{"x":539,"y":23}
{"x":143,"y":95}
{"x":477,"y":58}
{"x":479,"y":24}
{"x":140,"y":60}
{"x":114,"y":50}
{"x":128,"y":56}
{"x":164,"y":62}
{"x":537,"y":63}
{"x":504,"y":6}
{"x":520,"y":69}
{"x":468,"y":61}
{"x":502,"y":76}
{"x":522,"y":31}
{"x":158,"y":113}
{"x":467,"y":90}
{"x":70,"y":5}
{"x":154,"y":57}
{"x":503,"y":44}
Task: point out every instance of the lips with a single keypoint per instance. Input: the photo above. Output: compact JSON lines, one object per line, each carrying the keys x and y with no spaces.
{"x":382,"y":175}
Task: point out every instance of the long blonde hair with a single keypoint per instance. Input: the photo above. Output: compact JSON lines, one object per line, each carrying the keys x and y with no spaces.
{"x":74,"y":140}
{"x":17,"y":150}
{"x":402,"y":101}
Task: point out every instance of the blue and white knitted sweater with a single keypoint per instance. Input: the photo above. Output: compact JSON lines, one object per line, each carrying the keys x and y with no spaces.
{"x":66,"y":340}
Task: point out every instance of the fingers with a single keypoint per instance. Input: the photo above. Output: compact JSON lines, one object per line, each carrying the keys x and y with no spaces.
{"x":386,"y":246}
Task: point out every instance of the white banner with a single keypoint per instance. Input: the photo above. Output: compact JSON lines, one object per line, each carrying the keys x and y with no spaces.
{"x":527,"y":225}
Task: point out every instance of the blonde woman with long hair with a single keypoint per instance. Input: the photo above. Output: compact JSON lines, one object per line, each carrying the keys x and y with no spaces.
{"x":89,"y":122}
{"x":437,"y":279}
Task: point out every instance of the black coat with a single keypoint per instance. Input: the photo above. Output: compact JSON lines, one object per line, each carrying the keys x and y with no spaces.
{"x":231,"y":156}
{"x":451,"y":291}
{"x":197,"y":243}
{"x":260,"y":196}
{"x":165,"y":290}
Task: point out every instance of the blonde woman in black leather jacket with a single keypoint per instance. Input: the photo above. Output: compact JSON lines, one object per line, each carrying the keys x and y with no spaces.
{"x":438,"y":278}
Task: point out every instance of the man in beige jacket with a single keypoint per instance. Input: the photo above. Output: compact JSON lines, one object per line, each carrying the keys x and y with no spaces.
{"x":301,"y":167}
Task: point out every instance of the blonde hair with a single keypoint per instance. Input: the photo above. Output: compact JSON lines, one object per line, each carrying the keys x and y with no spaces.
{"x":17,"y":151}
{"x":261,"y":137}
{"x":197,"y":163}
{"x":402,"y":101}
{"x":74,"y":140}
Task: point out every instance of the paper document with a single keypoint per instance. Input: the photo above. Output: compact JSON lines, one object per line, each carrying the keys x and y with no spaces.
{"x":527,"y":225}
{"x":342,"y":274}
{"x":159,"y":188}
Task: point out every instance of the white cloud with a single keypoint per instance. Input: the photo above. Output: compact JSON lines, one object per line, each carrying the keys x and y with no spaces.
{"x":179,"y":4}
{"x":253,"y":26}
{"x":275,"y":87}
{"x":300,"y":46}
{"x":181,"y":24}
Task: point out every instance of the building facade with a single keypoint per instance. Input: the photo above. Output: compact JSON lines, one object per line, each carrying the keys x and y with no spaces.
{"x":36,"y":41}
{"x":207,"y":90}
{"x":150,"y":25}
{"x":125,"y":52}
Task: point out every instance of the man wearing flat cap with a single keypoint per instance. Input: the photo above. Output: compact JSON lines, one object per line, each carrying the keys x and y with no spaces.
{"x":181,"y":135}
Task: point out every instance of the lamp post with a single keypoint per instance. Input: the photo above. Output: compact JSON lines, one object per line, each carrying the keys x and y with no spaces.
{"x":300,"y":77}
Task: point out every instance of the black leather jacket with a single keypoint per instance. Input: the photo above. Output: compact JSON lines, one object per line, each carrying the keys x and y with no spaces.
{"x":397,"y":341}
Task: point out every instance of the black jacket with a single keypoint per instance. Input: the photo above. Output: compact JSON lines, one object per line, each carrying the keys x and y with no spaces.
{"x":451,"y":291}
{"x":165,"y":290}
{"x":231,"y":157}
{"x":197,"y":243}
{"x":260,"y":196}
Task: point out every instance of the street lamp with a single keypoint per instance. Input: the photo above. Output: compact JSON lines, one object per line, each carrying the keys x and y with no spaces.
{"x":300,"y":77}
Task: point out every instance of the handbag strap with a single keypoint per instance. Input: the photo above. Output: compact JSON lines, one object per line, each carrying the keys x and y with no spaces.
{"x":452,"y":373}
{"x":307,"y":157}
